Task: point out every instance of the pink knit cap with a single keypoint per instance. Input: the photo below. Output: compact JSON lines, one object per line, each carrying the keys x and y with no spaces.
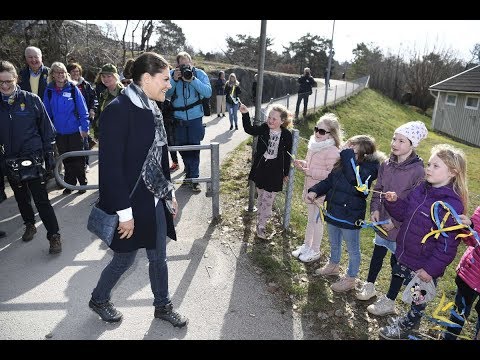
{"x":415,"y":131}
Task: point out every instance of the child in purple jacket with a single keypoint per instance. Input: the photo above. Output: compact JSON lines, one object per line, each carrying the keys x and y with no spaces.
{"x":400,"y":173}
{"x":445,"y":180}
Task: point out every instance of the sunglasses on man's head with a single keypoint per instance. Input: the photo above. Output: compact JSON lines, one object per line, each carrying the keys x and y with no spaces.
{"x":321,"y":131}
{"x":126,"y":82}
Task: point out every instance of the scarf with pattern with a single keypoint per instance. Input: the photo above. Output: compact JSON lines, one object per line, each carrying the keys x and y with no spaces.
{"x":152,"y":173}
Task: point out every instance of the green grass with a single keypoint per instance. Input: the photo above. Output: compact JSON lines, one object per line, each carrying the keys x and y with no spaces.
{"x":366,"y":113}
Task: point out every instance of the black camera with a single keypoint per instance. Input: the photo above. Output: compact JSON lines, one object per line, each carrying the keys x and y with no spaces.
{"x":186,"y":71}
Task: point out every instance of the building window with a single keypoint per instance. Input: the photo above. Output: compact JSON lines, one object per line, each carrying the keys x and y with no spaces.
{"x":451,"y":100}
{"x":472,"y":103}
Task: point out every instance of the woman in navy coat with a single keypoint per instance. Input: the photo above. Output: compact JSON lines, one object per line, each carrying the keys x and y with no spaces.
{"x":133,"y":158}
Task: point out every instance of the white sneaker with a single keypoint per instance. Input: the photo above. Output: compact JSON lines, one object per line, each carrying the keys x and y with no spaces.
{"x":300,"y":250}
{"x":382,"y":306}
{"x":309,"y":256}
{"x":367,"y":291}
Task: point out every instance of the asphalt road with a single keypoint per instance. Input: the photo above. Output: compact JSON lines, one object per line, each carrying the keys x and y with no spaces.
{"x":211,"y":281}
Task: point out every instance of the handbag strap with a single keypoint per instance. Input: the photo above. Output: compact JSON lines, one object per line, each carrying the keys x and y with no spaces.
{"x":136,"y":184}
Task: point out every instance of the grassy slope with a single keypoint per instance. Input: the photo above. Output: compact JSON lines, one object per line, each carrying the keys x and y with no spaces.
{"x":367,"y":113}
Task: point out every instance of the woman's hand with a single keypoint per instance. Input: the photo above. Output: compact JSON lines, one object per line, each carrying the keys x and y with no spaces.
{"x":465,"y":220}
{"x":285,"y":179}
{"x":388,"y":226}
{"x":125,"y":229}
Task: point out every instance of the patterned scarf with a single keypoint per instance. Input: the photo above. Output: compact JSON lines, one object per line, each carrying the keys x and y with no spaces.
{"x":152,"y":173}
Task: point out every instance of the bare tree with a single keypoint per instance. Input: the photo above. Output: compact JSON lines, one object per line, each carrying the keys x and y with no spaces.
{"x":133,"y":38}
{"x":124,"y":45}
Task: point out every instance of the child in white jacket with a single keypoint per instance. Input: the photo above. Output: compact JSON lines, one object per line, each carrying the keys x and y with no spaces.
{"x":323,"y":152}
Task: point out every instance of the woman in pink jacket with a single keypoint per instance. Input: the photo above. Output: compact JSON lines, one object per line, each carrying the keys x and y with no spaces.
{"x":323,"y":152}
{"x":468,"y":281}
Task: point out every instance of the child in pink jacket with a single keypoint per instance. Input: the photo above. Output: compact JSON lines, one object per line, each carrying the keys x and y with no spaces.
{"x":322,"y":154}
{"x":467,"y":280}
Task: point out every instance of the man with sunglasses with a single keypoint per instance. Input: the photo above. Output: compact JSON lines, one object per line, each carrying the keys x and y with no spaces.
{"x":306,"y":82}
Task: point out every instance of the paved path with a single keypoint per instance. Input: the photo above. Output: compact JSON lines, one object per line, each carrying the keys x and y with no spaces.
{"x":211,"y":281}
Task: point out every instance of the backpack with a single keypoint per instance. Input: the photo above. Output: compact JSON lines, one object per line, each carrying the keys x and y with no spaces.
{"x":72,"y":91}
{"x":204,"y":101}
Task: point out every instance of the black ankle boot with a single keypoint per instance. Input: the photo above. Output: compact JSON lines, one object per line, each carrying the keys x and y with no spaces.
{"x":30,"y":231}
{"x":167,"y":313}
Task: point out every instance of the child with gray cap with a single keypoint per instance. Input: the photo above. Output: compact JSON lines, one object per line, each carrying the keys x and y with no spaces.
{"x":401,"y":172}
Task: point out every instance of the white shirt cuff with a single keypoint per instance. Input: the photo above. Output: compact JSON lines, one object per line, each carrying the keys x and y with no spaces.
{"x":125,"y":214}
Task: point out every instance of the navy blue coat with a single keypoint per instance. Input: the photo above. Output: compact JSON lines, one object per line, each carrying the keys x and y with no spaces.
{"x":126,"y":134}
{"x":25,"y":128}
{"x":24,"y":80}
{"x":344,"y":201}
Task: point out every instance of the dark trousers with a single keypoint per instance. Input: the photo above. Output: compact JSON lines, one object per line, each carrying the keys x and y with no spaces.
{"x":190,"y":132}
{"x":402,"y":275}
{"x":86,"y":146}
{"x":376,"y":262}
{"x":157,"y":266}
{"x":464,"y":299}
{"x":36,"y":189}
{"x":300,"y":97}
{"x":74,"y":166}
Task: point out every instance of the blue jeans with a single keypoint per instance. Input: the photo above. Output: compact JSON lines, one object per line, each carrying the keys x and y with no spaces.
{"x":157,"y":267}
{"x":190,"y":132}
{"x":352,"y":239}
{"x":233,"y":113}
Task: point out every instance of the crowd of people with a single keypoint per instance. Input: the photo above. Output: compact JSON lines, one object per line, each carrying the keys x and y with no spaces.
{"x":61,"y":112}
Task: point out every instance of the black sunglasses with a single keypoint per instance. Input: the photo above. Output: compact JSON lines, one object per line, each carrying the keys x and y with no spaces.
{"x":321,"y":131}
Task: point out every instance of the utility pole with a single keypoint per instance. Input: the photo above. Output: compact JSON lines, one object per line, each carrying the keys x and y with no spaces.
{"x":327,"y":79}
{"x":258,"y":105}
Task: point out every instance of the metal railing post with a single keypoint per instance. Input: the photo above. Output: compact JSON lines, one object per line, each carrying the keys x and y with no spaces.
{"x":215,"y":175}
{"x":291,"y":175}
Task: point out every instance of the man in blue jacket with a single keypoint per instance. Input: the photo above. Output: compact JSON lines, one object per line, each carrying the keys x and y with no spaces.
{"x":33,"y":77}
{"x":26,"y":131}
{"x":189,"y":86}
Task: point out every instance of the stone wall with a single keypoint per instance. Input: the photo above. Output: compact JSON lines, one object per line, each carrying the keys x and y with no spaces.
{"x":275,"y":85}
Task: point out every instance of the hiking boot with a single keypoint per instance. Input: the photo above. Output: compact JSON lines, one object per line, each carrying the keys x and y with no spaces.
{"x":196,"y":187}
{"x":231,"y":127}
{"x":55,"y":244}
{"x":309,"y":256}
{"x":106,"y":311}
{"x":329,"y":269}
{"x":81,"y":191}
{"x":382,"y":307}
{"x":174,"y":167}
{"x":367,"y":291}
{"x":345,"y":284}
{"x":67,"y":191}
{"x":167,"y":313}
{"x":2,"y":234}
{"x":300,"y":250}
{"x":236,"y":127}
{"x":30,"y":231}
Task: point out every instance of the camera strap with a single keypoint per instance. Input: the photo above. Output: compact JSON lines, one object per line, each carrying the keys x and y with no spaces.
{"x":189,"y":106}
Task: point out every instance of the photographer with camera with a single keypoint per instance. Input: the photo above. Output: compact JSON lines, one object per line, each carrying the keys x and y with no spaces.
{"x":306,"y":82}
{"x":189,"y":86}
{"x":27,"y":137}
